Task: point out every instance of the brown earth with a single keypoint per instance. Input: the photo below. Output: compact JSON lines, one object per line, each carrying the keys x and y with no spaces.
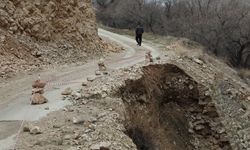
{"x":168,"y":109}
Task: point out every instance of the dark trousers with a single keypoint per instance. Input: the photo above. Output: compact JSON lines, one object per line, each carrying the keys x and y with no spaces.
{"x":138,"y":39}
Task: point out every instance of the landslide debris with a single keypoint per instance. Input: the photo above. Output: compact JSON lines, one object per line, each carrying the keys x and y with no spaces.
{"x":167,"y":109}
{"x":36,"y":33}
{"x":180,"y":102}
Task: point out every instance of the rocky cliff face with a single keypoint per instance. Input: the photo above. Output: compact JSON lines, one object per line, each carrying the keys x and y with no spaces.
{"x":40,"y":32}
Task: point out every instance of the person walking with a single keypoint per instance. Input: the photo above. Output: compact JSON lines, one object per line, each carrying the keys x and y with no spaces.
{"x":139,"y":31}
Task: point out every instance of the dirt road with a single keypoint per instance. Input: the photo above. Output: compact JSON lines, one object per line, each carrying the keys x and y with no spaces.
{"x":14,"y":96}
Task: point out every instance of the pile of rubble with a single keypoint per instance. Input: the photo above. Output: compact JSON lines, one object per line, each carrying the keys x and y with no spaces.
{"x":37,"y":93}
{"x":38,"y":33}
{"x":15,"y":56}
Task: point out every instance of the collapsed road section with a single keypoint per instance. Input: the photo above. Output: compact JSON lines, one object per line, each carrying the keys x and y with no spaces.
{"x":167,"y":109}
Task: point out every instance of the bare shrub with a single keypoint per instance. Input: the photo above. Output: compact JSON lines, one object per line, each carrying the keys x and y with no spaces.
{"x":222,"y":26}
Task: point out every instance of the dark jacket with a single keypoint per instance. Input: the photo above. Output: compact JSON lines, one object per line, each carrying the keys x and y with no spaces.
{"x":139,"y":30}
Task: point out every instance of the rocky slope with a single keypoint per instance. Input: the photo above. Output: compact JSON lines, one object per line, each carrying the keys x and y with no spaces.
{"x":179,"y":102}
{"x":34,"y":33}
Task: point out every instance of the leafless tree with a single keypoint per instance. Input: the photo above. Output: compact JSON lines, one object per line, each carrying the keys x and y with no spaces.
{"x":223,"y":26}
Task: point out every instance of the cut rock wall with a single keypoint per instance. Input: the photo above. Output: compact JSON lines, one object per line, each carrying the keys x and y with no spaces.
{"x":39,"y":32}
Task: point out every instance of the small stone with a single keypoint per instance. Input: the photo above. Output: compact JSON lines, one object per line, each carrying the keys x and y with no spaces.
{"x":198,"y":61}
{"x":67,"y":137}
{"x":85,"y":83}
{"x":104,"y":95}
{"x":200,"y":121}
{"x":190,"y":130}
{"x":207,"y":93}
{"x":37,"y":54}
{"x":222,"y":130}
{"x":83,"y":119}
{"x":46,"y":108}
{"x":248,"y":98}
{"x":91,"y":78}
{"x":241,"y":110}
{"x":56,"y":126}
{"x":243,"y":106}
{"x":98,"y":73}
{"x":26,"y":129}
{"x":191,"y":87}
{"x":101,"y":145}
{"x":158,"y":58}
{"x":105,"y":72}
{"x":67,"y":91}
{"x":87,"y":131}
{"x":101,"y":65}
{"x":77,"y":96}
{"x":199,"y":127}
{"x":35,"y":130}
{"x":68,"y":109}
{"x":84,"y":102}
{"x":77,"y":135}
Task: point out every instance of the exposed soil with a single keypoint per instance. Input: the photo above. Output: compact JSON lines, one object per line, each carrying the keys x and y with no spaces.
{"x":35,"y":34}
{"x":167,"y":109}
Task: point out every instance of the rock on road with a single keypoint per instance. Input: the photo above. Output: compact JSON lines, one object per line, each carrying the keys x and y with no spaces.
{"x":14,"y":96}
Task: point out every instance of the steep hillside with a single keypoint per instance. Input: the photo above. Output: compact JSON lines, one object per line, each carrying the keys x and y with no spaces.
{"x":39,"y":32}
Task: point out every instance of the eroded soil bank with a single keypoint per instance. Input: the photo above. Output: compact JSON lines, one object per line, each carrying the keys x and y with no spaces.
{"x":153,"y":107}
{"x":167,"y":109}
